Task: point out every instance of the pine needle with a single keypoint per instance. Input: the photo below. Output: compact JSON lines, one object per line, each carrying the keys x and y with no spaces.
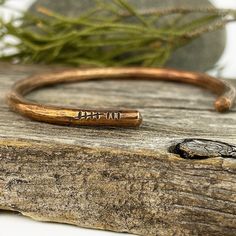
{"x":112,"y":33}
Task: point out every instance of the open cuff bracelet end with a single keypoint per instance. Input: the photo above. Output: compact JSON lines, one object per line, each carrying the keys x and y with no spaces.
{"x":116,"y":118}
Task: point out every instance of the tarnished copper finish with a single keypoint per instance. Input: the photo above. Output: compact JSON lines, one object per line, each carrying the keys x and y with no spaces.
{"x":121,"y":118}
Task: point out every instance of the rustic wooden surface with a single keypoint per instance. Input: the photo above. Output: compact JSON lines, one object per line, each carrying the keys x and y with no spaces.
{"x":117,"y":179}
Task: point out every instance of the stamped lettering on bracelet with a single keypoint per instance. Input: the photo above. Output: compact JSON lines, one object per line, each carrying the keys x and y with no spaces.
{"x":113,"y":115}
{"x":90,"y":115}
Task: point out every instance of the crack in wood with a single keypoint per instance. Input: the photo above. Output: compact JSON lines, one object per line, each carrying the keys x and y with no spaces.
{"x":203,"y":149}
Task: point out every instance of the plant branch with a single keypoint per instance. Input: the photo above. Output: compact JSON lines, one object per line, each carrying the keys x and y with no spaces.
{"x":110,"y":34}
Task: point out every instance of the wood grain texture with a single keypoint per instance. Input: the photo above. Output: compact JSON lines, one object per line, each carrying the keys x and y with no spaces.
{"x":118,"y":179}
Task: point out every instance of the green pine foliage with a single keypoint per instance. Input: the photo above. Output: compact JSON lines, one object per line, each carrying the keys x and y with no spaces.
{"x":111,"y":34}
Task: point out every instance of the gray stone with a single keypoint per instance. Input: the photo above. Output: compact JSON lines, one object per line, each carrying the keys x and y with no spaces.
{"x":200,"y":55}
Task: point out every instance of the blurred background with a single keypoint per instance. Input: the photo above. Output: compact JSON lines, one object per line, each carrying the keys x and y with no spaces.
{"x":215,"y":54}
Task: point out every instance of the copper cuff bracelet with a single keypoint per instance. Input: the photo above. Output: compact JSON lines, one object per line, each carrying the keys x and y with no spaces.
{"x":121,"y":118}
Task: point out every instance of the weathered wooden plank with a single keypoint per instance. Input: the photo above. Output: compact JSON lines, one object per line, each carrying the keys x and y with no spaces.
{"x":119,"y":179}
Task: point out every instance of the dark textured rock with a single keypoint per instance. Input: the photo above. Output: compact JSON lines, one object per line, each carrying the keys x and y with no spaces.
{"x":200,"y":55}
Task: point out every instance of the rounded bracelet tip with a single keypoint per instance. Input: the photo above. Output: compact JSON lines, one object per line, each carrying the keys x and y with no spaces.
{"x":223,"y":104}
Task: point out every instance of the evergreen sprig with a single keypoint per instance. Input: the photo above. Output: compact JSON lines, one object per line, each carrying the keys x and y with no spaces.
{"x":110,"y":34}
